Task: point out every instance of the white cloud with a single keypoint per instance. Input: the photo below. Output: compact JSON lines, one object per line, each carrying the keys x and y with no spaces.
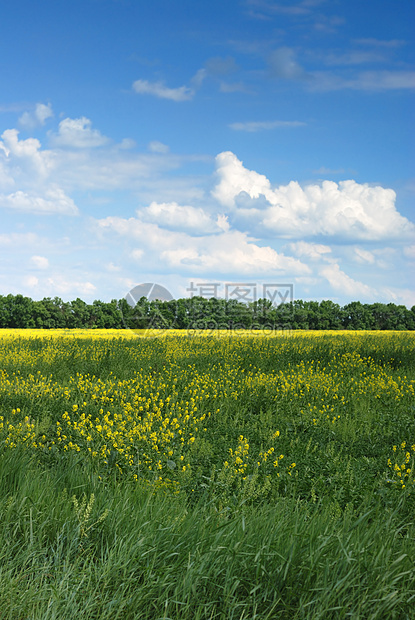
{"x":31,"y":281}
{"x":198,"y":78}
{"x":158,"y":147}
{"x":112,"y":268}
{"x":231,"y":252}
{"x":183,"y":231}
{"x":403,"y":296}
{"x":346,"y":210}
{"x":28,"y":167}
{"x":235,"y":178}
{"x":54,"y":202}
{"x":159,"y":89}
{"x":341,"y":282}
{"x":409,"y":252}
{"x":127,"y":143}
{"x":176,"y":217}
{"x":222,"y":222}
{"x":137,"y":254}
{"x":61,"y":285}
{"x":366,"y":80}
{"x":224,"y":252}
{"x":261,"y":125}
{"x":6,"y":179}
{"x":36,"y":117}
{"x":77,"y":133}
{"x":364,"y":256}
{"x":40,"y":262}
{"x":383,"y":80}
{"x":20,"y":240}
{"x":24,"y":157}
{"x":314,"y":251}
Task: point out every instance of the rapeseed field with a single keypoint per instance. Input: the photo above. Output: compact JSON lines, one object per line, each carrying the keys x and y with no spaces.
{"x":226,"y":430}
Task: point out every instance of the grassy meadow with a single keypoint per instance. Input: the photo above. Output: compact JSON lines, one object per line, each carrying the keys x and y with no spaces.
{"x":198,"y":476}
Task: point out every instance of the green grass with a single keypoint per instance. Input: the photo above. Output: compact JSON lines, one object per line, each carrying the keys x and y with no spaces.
{"x":151,"y":557}
{"x":332,"y":539}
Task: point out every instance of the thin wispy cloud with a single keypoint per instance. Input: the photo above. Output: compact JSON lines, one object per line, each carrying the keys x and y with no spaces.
{"x":354,"y":58}
{"x":160,"y":90}
{"x":255,"y":126}
{"x":372,"y":42}
{"x":283,"y":64}
{"x":364,"y":81}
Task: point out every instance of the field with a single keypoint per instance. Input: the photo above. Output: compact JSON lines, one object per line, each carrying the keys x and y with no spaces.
{"x":195,"y":476}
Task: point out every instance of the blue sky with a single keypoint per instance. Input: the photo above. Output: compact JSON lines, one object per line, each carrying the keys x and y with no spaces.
{"x":246,"y":141}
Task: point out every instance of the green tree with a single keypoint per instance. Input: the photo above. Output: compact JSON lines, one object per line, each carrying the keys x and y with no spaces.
{"x":357,"y":316}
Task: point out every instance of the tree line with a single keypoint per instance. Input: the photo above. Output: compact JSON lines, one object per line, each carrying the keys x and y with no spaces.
{"x":18,"y":311}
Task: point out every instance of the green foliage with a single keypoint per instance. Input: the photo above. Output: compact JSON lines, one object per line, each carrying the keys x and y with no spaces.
{"x":332,"y":536}
{"x":200,"y":313}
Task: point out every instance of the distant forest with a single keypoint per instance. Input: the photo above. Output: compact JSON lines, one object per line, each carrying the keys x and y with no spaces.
{"x":17,"y":311}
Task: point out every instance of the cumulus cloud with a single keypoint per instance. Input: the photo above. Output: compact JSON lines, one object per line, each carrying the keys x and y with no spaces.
{"x":232,"y":252}
{"x":26,"y":166}
{"x":234,"y":178}
{"x":176,"y":217}
{"x":159,"y":89}
{"x":346,"y":210}
{"x":24,"y":157}
{"x":235,"y":231}
{"x":39,"y":262}
{"x":77,"y":133}
{"x":225,"y":252}
{"x":55,"y":201}
{"x":312,"y":251}
{"x":36,"y":117}
{"x":264,"y":125}
{"x":341,"y":282}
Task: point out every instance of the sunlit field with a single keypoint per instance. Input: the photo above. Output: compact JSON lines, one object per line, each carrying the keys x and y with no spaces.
{"x":229,"y":475}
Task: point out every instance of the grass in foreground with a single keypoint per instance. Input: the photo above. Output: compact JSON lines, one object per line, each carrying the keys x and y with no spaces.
{"x":293,"y":503}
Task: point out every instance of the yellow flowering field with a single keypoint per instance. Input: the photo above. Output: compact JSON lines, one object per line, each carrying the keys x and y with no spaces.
{"x":241,"y":416}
